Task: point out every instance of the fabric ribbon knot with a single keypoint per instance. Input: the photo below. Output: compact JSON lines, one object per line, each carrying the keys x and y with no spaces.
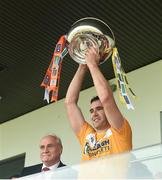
{"x":45,"y":169}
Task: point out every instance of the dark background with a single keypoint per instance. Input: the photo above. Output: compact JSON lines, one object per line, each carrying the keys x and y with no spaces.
{"x":29,"y":31}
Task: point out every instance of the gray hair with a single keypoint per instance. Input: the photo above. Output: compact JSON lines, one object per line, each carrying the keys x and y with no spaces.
{"x":58,"y":140}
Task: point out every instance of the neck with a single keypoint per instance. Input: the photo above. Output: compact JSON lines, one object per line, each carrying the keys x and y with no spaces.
{"x":103,"y":129}
{"x":51,"y":164}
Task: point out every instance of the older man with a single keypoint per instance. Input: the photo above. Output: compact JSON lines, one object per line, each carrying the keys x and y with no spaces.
{"x":50,"y":154}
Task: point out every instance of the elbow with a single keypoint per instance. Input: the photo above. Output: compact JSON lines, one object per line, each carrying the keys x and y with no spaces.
{"x":67,"y":104}
{"x":106,"y":98}
{"x":69,"y":101}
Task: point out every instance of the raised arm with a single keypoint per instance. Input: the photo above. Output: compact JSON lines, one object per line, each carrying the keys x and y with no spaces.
{"x":74,"y":113}
{"x":103,"y":89}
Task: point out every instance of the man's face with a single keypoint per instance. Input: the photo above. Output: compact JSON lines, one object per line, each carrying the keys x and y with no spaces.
{"x":98,"y":116}
{"x":50,"y":150}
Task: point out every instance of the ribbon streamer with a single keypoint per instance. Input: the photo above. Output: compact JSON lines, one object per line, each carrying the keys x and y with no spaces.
{"x":121,"y":80}
{"x":52,"y":78}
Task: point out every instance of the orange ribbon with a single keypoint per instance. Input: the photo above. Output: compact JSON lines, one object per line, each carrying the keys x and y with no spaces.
{"x":51,"y":80}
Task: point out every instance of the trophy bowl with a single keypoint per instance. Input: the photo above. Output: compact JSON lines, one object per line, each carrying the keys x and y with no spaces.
{"x":88,"y":32}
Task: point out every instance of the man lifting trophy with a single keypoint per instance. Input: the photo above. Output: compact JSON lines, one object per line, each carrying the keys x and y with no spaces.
{"x":109,"y":131}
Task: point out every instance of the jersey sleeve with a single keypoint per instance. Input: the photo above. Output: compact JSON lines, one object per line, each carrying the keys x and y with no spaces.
{"x":124,"y":134}
{"x":84,"y":130}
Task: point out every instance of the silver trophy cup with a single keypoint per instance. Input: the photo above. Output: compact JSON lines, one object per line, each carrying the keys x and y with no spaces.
{"x":88,"y":32}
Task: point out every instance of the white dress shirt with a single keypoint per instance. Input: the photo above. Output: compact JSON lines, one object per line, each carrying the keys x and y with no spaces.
{"x":54,"y":167}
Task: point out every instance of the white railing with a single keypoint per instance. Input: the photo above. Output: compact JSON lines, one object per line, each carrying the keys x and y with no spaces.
{"x":139,"y":164}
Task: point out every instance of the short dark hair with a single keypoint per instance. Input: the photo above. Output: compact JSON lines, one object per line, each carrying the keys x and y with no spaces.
{"x":95,"y":98}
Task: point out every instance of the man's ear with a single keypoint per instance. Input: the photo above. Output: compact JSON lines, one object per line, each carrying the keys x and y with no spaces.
{"x":61,"y":149}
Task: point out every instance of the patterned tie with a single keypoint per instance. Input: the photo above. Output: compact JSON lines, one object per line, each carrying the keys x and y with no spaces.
{"x":45,"y":169}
